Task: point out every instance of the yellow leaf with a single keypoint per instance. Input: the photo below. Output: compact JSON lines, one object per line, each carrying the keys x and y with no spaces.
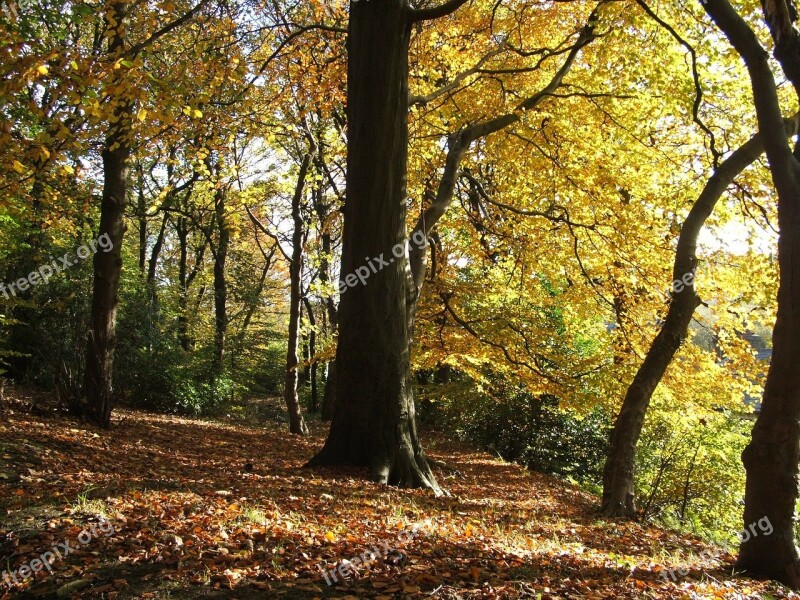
{"x":18,"y":167}
{"x":330,"y":536}
{"x":197,"y":114}
{"x":142,"y":114}
{"x":42,"y":70}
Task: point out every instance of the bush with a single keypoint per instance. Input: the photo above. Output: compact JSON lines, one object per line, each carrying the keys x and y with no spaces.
{"x":689,"y":474}
{"x":523,"y":428}
{"x":197,"y":399}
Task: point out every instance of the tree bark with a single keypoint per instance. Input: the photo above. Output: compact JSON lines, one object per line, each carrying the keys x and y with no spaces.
{"x":619,"y":473}
{"x":101,"y":339}
{"x":771,"y":458}
{"x":297,"y":424}
{"x":374,"y":423}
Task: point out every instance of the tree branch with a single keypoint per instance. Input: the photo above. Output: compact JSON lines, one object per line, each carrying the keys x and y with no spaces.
{"x":183,"y":19}
{"x":416,"y":15}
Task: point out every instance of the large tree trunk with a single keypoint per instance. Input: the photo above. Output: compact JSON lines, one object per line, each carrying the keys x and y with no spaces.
{"x":771,"y":458}
{"x":297,"y":424}
{"x":101,"y":338}
{"x":619,"y":473}
{"x":374,"y":423}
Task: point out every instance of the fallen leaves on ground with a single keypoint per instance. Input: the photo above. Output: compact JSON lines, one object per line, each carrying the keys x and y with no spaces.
{"x":212,"y":509}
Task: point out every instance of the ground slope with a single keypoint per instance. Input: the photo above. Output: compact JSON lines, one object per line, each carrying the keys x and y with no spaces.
{"x":220,"y":510}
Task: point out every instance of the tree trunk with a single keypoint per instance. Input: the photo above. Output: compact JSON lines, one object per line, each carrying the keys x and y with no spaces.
{"x":312,"y":351}
{"x":182,"y":231}
{"x":152,"y":291}
{"x":322,"y":210}
{"x":771,"y":458}
{"x":374,"y":423}
{"x":220,"y":284}
{"x":297,"y":424}
{"x":304,"y":377}
{"x":185,"y":279}
{"x":329,"y":394}
{"x":619,"y":474}
{"x":141,"y":215}
{"x":101,"y":338}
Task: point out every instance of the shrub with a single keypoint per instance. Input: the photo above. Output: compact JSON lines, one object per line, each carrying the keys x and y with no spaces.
{"x":524,"y":428}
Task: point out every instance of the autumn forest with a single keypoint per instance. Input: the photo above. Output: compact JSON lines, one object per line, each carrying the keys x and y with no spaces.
{"x":399,"y":299}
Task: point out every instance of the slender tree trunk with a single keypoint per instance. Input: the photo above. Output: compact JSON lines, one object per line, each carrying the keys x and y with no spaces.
{"x":771,"y":458}
{"x":619,"y":473}
{"x":141,"y":215}
{"x":182,"y":232}
{"x":312,"y":351}
{"x":374,"y":424}
{"x":322,"y":210}
{"x":329,"y":393}
{"x":152,"y":292}
{"x":101,"y":338}
{"x":297,"y":424}
{"x":220,"y":284}
{"x":304,"y":377}
{"x":185,"y":279}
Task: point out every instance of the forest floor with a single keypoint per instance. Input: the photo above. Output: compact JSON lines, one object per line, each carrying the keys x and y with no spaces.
{"x":179,"y":508}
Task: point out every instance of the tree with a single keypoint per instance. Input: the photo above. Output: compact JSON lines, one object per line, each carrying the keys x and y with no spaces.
{"x":772,"y":457}
{"x":297,"y":424}
{"x":101,"y":338}
{"x":108,"y":265}
{"x":618,"y":478}
{"x":374,"y":424}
